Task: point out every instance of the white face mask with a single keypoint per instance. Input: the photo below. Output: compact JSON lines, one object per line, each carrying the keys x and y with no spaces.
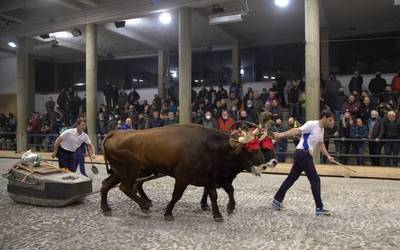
{"x":224,"y":117}
{"x":208,"y":117}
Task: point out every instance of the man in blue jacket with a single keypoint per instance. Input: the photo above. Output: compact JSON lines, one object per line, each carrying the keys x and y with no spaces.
{"x":358,"y":131}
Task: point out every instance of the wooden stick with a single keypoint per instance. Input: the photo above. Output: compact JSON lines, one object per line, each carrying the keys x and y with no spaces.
{"x":343,"y":166}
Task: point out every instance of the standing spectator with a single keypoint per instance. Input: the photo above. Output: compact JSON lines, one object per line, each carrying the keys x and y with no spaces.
{"x":122,"y":99}
{"x":114,"y":95}
{"x":221,"y":93}
{"x":50,"y":105}
{"x":377,"y":87}
{"x":133,"y":96}
{"x":252,"y":113}
{"x":62,"y":100}
{"x":391,"y":131}
{"x":263,"y":95}
{"x":203,"y":93}
{"x":209,"y":121}
{"x":344,"y":133}
{"x":112,"y":123}
{"x":257,"y":103}
{"x":276,"y":110}
{"x":331,"y":90}
{"x":388,"y":95}
{"x":293,"y":98}
{"x":358,"y":131}
{"x":396,"y":86}
{"x":225,"y":122}
{"x":351,"y":105}
{"x":374,"y":129}
{"x":281,"y":145}
{"x":108,"y":93}
{"x":338,"y":104}
{"x":101,"y":125}
{"x":356,"y":82}
{"x":365,"y":109}
{"x":235,"y":88}
{"x":156,"y":121}
{"x":75,"y":103}
{"x":329,"y":133}
{"x":281,"y":88}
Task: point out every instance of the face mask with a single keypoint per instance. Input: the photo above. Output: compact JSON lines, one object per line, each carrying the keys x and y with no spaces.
{"x":249,"y":105}
{"x":225,"y":117}
{"x":208,"y":117}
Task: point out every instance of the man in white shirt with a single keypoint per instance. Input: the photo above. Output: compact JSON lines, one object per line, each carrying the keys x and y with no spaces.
{"x":312,"y":135}
{"x":68,"y":142}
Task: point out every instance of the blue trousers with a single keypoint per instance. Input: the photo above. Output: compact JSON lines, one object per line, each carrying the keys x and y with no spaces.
{"x":302,"y":161}
{"x":79,"y":159}
{"x":66,"y":159}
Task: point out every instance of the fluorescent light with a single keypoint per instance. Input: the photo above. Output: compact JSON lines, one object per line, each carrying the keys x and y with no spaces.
{"x":196,"y":81}
{"x":226,"y":18}
{"x":79,"y":84}
{"x":242,"y":71}
{"x":12,"y":44}
{"x":273,"y":77}
{"x":281,"y":3}
{"x":140,"y":80}
{"x":267,"y":77}
{"x":134,"y":80}
{"x":165,"y":18}
{"x":133,"y":21}
{"x":174,"y":73}
{"x":62,"y":34}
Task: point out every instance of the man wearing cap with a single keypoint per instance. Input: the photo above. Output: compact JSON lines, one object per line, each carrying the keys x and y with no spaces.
{"x":68,"y":142}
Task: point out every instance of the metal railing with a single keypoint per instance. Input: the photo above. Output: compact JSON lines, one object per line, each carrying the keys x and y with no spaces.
{"x":343,"y":149}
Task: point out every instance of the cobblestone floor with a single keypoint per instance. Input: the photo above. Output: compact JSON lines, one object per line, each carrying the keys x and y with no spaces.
{"x":366,"y":216}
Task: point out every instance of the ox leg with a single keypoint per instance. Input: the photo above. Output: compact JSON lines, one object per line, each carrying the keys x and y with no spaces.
{"x":203,"y":201}
{"x":212,"y":191}
{"x":128,"y":188}
{"x":230,"y":191}
{"x":143,"y":194}
{"x":110,"y":182}
{"x":179,"y":188}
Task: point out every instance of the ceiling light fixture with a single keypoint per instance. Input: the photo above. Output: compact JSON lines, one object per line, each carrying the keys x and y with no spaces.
{"x":165,"y":18}
{"x":12,"y":44}
{"x":281,"y":3}
{"x":230,"y":17}
{"x":61,"y":34}
{"x":119,"y":24}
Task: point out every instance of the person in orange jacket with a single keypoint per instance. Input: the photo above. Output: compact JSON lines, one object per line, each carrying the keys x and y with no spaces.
{"x":225,"y":122}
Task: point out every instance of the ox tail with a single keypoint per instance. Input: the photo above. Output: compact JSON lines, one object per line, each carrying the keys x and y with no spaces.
{"x":108,"y":168}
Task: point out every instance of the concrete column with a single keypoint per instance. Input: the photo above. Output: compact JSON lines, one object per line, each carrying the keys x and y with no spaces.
{"x":161,"y":72}
{"x":236,"y":62}
{"x":312,"y":62}
{"x":32,"y":85}
{"x":22,"y":92}
{"x":325,"y":53}
{"x":185,"y":65}
{"x":91,"y":81}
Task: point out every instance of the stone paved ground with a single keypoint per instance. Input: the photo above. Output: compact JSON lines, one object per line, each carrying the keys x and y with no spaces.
{"x":366,"y":216}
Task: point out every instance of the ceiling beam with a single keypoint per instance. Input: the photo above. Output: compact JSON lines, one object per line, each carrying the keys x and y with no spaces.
{"x":6,"y":6}
{"x":68,"y":4}
{"x":66,"y":44}
{"x":105,"y":13}
{"x":91,"y":3}
{"x":11,"y":18}
{"x":135,"y":36}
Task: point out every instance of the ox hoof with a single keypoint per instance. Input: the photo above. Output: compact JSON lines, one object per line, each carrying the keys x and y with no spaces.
{"x":205,"y":208}
{"x":169,"y":217}
{"x":107,"y":213}
{"x":230,"y":210}
{"x":218,"y":219}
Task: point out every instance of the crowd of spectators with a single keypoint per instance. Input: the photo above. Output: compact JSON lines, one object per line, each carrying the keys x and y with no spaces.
{"x":363,"y":114}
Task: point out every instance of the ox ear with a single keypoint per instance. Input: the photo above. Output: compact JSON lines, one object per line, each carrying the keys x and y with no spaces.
{"x":236,"y":146}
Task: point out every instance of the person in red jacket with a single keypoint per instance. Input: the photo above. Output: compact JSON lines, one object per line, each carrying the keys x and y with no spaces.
{"x":225,"y":122}
{"x":396,"y":86}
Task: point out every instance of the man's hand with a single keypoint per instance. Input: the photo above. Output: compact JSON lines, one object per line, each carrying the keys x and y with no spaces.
{"x":53,"y":155}
{"x":330,"y":158}
{"x":93,"y":156}
{"x":276,"y":135}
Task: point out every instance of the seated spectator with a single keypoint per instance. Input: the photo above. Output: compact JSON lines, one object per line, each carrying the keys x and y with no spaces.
{"x":281,"y":145}
{"x":374,"y":129}
{"x":171,"y":119}
{"x":232,"y":101}
{"x":233,"y":112}
{"x":264,"y":95}
{"x":225,"y":122}
{"x":293,"y":123}
{"x":257,"y":102}
{"x":143,"y":121}
{"x":112,"y":123}
{"x":358,"y":131}
{"x":391,"y":131}
{"x":344,"y":132}
{"x":156,"y":121}
{"x":396,"y":86}
{"x":271,"y":96}
{"x":128,"y":124}
{"x":209,"y":121}
{"x":221,"y":93}
{"x":101,"y":125}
